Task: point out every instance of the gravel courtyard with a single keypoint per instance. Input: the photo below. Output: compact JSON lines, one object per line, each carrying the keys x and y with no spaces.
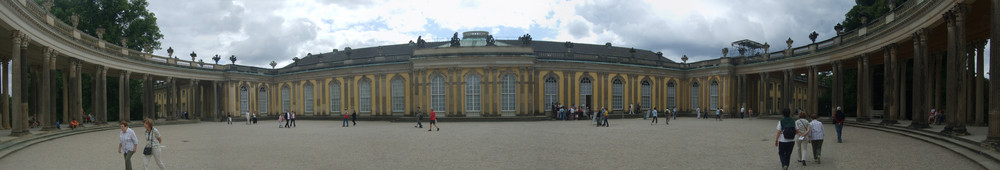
{"x":686,"y":143}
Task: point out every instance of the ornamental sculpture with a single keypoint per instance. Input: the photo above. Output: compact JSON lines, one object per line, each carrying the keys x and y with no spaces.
{"x":455,"y":41}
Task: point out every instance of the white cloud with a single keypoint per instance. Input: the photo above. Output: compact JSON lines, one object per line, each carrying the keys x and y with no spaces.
{"x":258,"y":32}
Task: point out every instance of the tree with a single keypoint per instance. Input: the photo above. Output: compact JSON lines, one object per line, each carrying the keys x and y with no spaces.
{"x":871,"y":9}
{"x":119,"y":18}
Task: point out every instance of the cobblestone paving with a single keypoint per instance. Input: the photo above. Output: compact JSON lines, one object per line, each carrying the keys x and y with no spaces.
{"x":686,"y":143}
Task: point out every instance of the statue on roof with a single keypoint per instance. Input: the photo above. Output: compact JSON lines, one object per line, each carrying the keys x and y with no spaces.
{"x":421,"y":42}
{"x":490,"y":41}
{"x":455,"y":41}
{"x":525,"y":40}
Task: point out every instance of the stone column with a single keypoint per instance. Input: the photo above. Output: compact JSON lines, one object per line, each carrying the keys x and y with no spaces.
{"x":970,"y":85}
{"x":864,"y":89}
{"x":889,"y":105}
{"x":955,"y":111}
{"x":102,"y":95}
{"x":5,"y":101}
{"x":169,"y":107}
{"x":19,"y":117}
{"x":148,"y":108}
{"x":761,"y":93}
{"x":919,"y":101}
{"x":45,"y":114}
{"x":215,"y":99}
{"x":76,"y":86}
{"x":813,"y":105}
{"x":788,"y":95}
{"x":980,"y":83}
{"x":992,"y":141}
{"x":124,"y":106}
{"x":838,"y":85}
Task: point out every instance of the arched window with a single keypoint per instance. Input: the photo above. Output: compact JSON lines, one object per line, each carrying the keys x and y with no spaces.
{"x":671,"y":95}
{"x":472,"y":98}
{"x":586,"y":91}
{"x":646,"y":95}
{"x":437,"y":94}
{"x":335,"y":97}
{"x":617,"y":90}
{"x":365,"y":93}
{"x":508,"y":93}
{"x":713,"y":99}
{"x":244,"y":100}
{"x":262,"y":101}
{"x":551,"y":91}
{"x":286,"y":96}
{"x":397,"y":95}
{"x":694,"y":95}
{"x":308,"y":98}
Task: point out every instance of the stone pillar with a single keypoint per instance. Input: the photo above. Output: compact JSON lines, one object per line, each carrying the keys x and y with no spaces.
{"x":970,"y":85}
{"x":45,"y":114}
{"x":890,"y":107}
{"x":215,"y":100}
{"x":761,"y":93}
{"x":813,"y":91}
{"x":76,"y":86}
{"x":956,"y":44}
{"x":169,"y":107}
{"x":980,"y":84}
{"x":864,"y":89}
{"x":102,"y":94}
{"x":5,"y":101}
{"x":788,"y":95}
{"x":124,"y":105}
{"x":20,"y":45}
{"x":838,"y":85}
{"x":919,"y":100}
{"x":992,"y":141}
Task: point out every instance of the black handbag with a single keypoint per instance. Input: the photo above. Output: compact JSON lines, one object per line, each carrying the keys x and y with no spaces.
{"x":147,"y":151}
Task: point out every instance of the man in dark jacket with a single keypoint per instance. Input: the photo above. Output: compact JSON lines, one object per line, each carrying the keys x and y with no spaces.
{"x":838,"y":122}
{"x":420,"y":117}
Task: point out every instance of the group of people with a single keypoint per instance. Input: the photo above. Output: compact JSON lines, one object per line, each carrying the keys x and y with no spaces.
{"x":129,"y":143}
{"x":936,"y":117}
{"x":432,"y":117}
{"x":571,"y":112}
{"x":806,"y":130}
{"x":287,"y":118}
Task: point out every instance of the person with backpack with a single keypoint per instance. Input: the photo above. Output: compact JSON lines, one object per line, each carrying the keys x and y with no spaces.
{"x":802,"y":125}
{"x":785,"y":138}
{"x":354,"y":117}
{"x":838,"y":122}
{"x":653,"y":111}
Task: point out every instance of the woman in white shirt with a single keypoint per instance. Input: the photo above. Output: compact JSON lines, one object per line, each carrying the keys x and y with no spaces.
{"x":153,"y":141}
{"x":816,"y":136}
{"x":127,"y":143}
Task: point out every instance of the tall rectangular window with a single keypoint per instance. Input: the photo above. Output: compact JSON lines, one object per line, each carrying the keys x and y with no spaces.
{"x":472,"y":97}
{"x":617,"y":90}
{"x":365,"y":92}
{"x":397,"y":95}
{"x":646,"y":95}
{"x":671,"y":95}
{"x":308,"y":98}
{"x":508,"y":93}
{"x":262,"y":101}
{"x":694,"y":95}
{"x":437,"y":94}
{"x":586,"y":89}
{"x":244,"y":102}
{"x":714,"y":95}
{"x":551,"y":91}
{"x":335,"y":98}
{"x":286,"y":103}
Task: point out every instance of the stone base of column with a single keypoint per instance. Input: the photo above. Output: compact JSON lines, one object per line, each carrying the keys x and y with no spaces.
{"x":991,"y":144}
{"x":916,"y":125}
{"x":947,"y":130}
{"x":49,"y":128}
{"x":960,"y":131}
{"x":863,"y":120}
{"x":888,"y":122}
{"x":21,"y":133}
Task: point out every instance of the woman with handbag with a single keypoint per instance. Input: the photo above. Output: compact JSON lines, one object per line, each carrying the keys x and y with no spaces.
{"x":152,"y":145}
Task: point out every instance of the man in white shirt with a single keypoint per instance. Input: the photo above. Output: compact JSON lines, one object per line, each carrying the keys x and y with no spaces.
{"x":742,"y":109}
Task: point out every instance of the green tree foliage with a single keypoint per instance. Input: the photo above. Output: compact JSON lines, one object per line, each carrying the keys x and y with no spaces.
{"x":119,"y":18}
{"x":871,"y":8}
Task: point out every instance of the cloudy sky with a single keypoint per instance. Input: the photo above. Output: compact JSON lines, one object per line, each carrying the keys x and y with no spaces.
{"x":259,"y":31}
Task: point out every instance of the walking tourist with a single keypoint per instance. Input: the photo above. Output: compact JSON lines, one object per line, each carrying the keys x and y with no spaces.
{"x":229,"y":117}
{"x":255,"y":118}
{"x":152,"y":145}
{"x":750,"y":114}
{"x":697,"y":112}
{"x":433,"y":121}
{"x":288,"y":119}
{"x":420,"y":117}
{"x":838,"y":122}
{"x":345,"y":119}
{"x":816,"y":136}
{"x":247,"y":116}
{"x":785,"y":138}
{"x":718,"y":114}
{"x":293,"y":119}
{"x":281,"y":120}
{"x":674,"y":114}
{"x":630,"y":110}
{"x":742,"y":111}
{"x":666,"y":116}
{"x":802,"y":125}
{"x":653,"y":111}
{"x":606,"y":123}
{"x":127,"y":143}
{"x":354,"y":117}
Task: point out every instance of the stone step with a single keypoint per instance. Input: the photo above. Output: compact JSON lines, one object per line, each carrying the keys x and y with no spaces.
{"x":14,"y":146}
{"x":973,"y":152}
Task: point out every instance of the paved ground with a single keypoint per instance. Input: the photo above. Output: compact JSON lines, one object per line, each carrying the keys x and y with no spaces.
{"x":628,"y":144}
